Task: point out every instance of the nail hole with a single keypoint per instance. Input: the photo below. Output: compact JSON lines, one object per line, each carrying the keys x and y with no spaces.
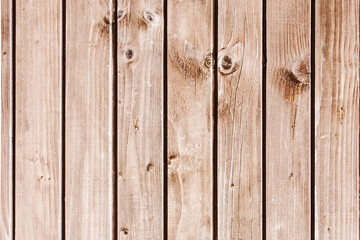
{"x":125,"y":230}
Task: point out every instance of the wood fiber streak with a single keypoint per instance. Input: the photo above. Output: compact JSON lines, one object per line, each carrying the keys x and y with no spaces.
{"x":140,"y":119}
{"x":190,"y":119}
{"x":89,"y":132}
{"x":288,"y":119}
{"x":38,"y":119}
{"x":337,"y":120}
{"x":6,"y":165}
{"x":240,"y":120}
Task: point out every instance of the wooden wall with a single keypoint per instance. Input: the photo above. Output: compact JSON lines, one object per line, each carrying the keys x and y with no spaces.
{"x":179,"y":120}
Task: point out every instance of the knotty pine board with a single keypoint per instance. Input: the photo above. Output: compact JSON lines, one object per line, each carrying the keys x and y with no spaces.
{"x":6,"y":165}
{"x":140,"y":119}
{"x":240,"y":119}
{"x":288,"y":161}
{"x":89,"y":116}
{"x":337,"y":120}
{"x":190,"y":119}
{"x":38,"y":119}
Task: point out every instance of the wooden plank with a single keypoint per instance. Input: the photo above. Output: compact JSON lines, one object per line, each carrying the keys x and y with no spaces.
{"x":89,"y":120}
{"x":190,"y":119}
{"x":240,"y":119}
{"x":6,"y":165}
{"x":140,"y":119}
{"x":337,"y":120}
{"x":288,"y":119}
{"x":38,"y":119}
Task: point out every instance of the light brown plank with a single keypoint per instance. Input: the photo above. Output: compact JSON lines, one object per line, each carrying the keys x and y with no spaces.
{"x":38,"y":119}
{"x":337,"y":120}
{"x":6,"y":165}
{"x":240,"y":119}
{"x":89,"y":120}
{"x":140,"y":118}
{"x":288,"y":119}
{"x":190,"y":119}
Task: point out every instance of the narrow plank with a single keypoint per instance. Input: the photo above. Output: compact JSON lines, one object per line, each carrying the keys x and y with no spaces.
{"x":6,"y":165}
{"x":288,"y":119}
{"x":240,"y":119}
{"x":89,"y":120}
{"x":337,"y":120}
{"x":190,"y":119}
{"x":140,"y":119}
{"x":38,"y":119}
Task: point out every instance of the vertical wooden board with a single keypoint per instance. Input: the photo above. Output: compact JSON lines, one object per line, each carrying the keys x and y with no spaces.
{"x":6,"y":164}
{"x":38,"y":119}
{"x":190,"y":119}
{"x":89,"y":120}
{"x":240,"y":119}
{"x":288,"y":119}
{"x":337,"y":120}
{"x":140,"y":119}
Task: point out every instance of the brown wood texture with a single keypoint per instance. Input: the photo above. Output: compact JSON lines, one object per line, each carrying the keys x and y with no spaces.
{"x":190,"y":119}
{"x":38,"y":120}
{"x":288,"y":119}
{"x":89,"y":120}
{"x":240,"y":119}
{"x":140,"y":119}
{"x":337,"y":120}
{"x":6,"y":164}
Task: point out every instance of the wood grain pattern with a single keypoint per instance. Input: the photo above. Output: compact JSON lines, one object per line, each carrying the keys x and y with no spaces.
{"x":6,"y":164}
{"x":337,"y":119}
{"x":140,"y":119}
{"x":190,"y":119}
{"x":89,"y":120}
{"x":240,"y":119}
{"x":288,"y":119}
{"x":38,"y":119}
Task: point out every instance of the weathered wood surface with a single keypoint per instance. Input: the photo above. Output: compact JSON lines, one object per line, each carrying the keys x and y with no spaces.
{"x":240,"y":119}
{"x":38,"y":119}
{"x":140,"y":119}
{"x":6,"y":164}
{"x":337,"y":120}
{"x":288,"y":119}
{"x":89,"y":120}
{"x":190,"y":119}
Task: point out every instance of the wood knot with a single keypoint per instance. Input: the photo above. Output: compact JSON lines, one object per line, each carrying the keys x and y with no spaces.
{"x":121,"y":14}
{"x":227,"y":64}
{"x":150,"y":16}
{"x":130,"y":54}
{"x":209,"y":60}
{"x":291,"y":84}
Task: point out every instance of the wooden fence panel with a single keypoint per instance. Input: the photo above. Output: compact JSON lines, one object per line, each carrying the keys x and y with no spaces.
{"x":190,"y":119}
{"x":240,"y":119}
{"x":288,"y":126}
{"x":6,"y":164}
{"x":140,"y":119}
{"x":38,"y":119}
{"x":89,"y":120}
{"x":337,"y":120}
